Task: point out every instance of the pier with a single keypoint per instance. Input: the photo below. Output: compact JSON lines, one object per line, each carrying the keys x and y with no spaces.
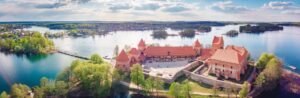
{"x":72,"y":54}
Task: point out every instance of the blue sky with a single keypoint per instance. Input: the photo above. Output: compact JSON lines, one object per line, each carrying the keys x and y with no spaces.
{"x":150,"y":10}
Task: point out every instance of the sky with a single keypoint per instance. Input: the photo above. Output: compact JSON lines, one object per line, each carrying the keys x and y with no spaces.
{"x":150,"y":10}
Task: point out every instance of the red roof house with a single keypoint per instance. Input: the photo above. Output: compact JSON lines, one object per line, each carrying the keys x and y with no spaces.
{"x":230,"y":62}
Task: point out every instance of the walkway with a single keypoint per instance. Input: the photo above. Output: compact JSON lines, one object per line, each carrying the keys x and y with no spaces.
{"x":133,"y":86}
{"x":72,"y":54}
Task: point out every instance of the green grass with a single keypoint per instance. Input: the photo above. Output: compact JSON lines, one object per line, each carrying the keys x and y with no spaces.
{"x":202,"y":87}
{"x":199,"y":87}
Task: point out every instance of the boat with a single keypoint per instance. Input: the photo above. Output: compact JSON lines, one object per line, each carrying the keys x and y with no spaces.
{"x":292,"y":67}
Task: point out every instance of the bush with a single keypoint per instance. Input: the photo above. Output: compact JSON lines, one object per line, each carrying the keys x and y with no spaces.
{"x":232,"y":33}
{"x":159,"y":34}
{"x":187,"y":33}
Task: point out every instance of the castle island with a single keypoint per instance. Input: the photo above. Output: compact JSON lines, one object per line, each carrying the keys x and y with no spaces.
{"x":203,"y":64}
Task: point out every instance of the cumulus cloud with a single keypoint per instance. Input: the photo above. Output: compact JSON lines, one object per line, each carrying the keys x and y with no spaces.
{"x":148,"y":6}
{"x":177,"y":7}
{"x":276,"y":5}
{"x":228,"y":7}
{"x":119,"y":6}
{"x":145,"y":10}
{"x":282,"y":7}
{"x":50,"y":6}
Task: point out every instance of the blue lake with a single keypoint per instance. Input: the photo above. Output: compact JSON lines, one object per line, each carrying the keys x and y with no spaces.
{"x":29,"y":69}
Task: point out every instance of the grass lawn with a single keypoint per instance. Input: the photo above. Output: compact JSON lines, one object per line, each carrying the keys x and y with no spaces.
{"x":199,"y":87}
{"x":202,"y":87}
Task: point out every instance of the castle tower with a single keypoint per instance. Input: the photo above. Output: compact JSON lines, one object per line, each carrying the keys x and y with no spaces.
{"x":141,"y":45}
{"x":197,"y":47}
{"x":218,"y":42}
{"x":123,"y":62}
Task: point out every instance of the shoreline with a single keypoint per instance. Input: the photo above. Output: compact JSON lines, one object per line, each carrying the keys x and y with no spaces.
{"x":290,"y":81}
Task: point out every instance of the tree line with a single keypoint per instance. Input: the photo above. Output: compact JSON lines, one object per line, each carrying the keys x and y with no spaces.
{"x":25,"y":42}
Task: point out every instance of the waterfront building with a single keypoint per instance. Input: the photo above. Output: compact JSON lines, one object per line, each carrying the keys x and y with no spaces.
{"x":156,"y":53}
{"x":230,"y":62}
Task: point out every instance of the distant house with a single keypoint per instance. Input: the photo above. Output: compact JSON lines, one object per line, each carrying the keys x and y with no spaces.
{"x":230,"y":62}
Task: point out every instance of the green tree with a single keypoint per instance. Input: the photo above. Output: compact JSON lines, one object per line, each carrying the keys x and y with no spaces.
{"x":159,"y":34}
{"x":186,"y":89}
{"x":50,"y":89}
{"x":263,"y":60}
{"x":4,"y":95}
{"x":117,"y":76}
{"x":137,"y":75}
{"x":94,"y":78}
{"x":175,"y":89}
{"x":116,"y":51}
{"x":61,"y":88}
{"x":34,"y":43}
{"x":64,"y":75}
{"x":158,"y":85}
{"x":244,"y":91}
{"x":260,"y":80}
{"x":270,"y":75}
{"x":273,"y":73}
{"x":149,"y":85}
{"x":20,"y":91}
{"x":74,"y":64}
{"x":187,"y":33}
{"x":38,"y":92}
{"x":96,"y":59}
{"x":43,"y":81}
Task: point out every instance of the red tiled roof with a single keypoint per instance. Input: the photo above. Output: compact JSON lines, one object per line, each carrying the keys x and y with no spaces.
{"x":206,"y":53}
{"x":133,"y":51}
{"x":122,"y":56}
{"x":168,"y":50}
{"x":197,"y":43}
{"x":241,"y":50}
{"x":218,"y":40}
{"x":227,"y":55}
{"x":142,"y":43}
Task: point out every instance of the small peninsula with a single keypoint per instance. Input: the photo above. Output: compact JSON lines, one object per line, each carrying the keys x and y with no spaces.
{"x":25,"y":42}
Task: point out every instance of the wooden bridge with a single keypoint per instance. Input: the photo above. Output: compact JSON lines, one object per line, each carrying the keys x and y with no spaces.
{"x":72,"y":54}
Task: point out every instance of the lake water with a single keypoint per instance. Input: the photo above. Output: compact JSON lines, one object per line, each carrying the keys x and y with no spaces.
{"x":29,"y":69}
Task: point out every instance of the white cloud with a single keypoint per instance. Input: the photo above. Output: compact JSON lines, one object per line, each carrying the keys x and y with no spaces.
{"x":176,"y":7}
{"x":276,"y":5}
{"x":120,"y":6}
{"x":228,"y":7}
{"x":295,"y":11}
{"x":147,"y":6}
{"x":282,"y":7}
{"x":129,"y":10}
